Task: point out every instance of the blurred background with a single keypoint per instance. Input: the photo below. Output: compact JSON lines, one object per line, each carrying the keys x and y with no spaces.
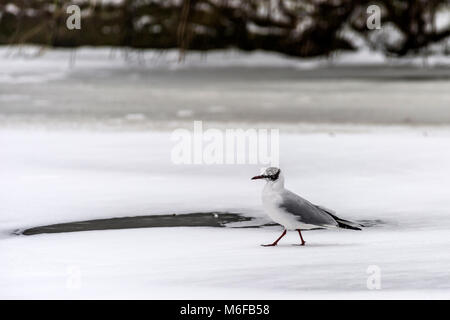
{"x":299,"y":28}
{"x":150,"y":63}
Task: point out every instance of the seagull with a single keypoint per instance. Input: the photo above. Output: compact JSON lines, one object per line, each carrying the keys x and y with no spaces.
{"x":292,"y":211}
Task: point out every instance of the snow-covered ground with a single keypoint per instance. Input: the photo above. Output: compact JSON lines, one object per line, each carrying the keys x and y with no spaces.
{"x":397,"y":176}
{"x":78,"y":155}
{"x":182,"y":263}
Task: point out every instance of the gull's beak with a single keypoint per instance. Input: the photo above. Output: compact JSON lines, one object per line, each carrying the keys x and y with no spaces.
{"x":257,"y":177}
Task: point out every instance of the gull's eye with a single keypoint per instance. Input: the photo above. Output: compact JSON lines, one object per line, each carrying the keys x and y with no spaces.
{"x":272,"y":171}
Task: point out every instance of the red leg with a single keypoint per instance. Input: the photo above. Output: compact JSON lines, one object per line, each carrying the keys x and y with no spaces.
{"x":276,"y":241}
{"x":300,"y":233}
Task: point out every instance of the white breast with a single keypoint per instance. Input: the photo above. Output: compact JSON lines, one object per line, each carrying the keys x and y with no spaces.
{"x":271,"y":199}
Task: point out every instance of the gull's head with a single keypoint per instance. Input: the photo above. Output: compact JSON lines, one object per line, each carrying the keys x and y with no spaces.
{"x":269,"y":174}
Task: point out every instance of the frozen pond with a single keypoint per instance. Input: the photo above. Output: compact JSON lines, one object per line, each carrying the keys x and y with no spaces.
{"x":399,"y":176}
{"x":92,"y":143}
{"x":102,"y":89}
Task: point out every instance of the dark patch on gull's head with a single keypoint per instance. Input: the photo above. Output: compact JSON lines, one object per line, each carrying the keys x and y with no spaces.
{"x":271,"y":174}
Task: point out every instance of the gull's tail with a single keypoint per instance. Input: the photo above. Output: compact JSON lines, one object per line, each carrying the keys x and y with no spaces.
{"x":344,"y":224}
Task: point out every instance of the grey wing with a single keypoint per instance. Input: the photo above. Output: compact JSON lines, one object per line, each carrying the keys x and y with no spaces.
{"x":305,"y":211}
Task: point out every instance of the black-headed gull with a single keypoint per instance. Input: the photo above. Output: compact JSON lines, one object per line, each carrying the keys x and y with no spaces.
{"x":292,"y":211}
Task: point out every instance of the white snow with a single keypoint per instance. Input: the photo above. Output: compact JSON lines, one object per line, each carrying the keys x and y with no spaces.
{"x":192,"y":263}
{"x":18,"y":62}
{"x":442,"y":19}
{"x":399,"y":176}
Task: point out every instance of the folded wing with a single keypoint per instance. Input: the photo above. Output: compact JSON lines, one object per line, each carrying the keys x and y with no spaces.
{"x":305,"y":211}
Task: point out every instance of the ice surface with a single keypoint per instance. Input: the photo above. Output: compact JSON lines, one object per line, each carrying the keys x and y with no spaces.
{"x":399,"y":176}
{"x":209,"y":263}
